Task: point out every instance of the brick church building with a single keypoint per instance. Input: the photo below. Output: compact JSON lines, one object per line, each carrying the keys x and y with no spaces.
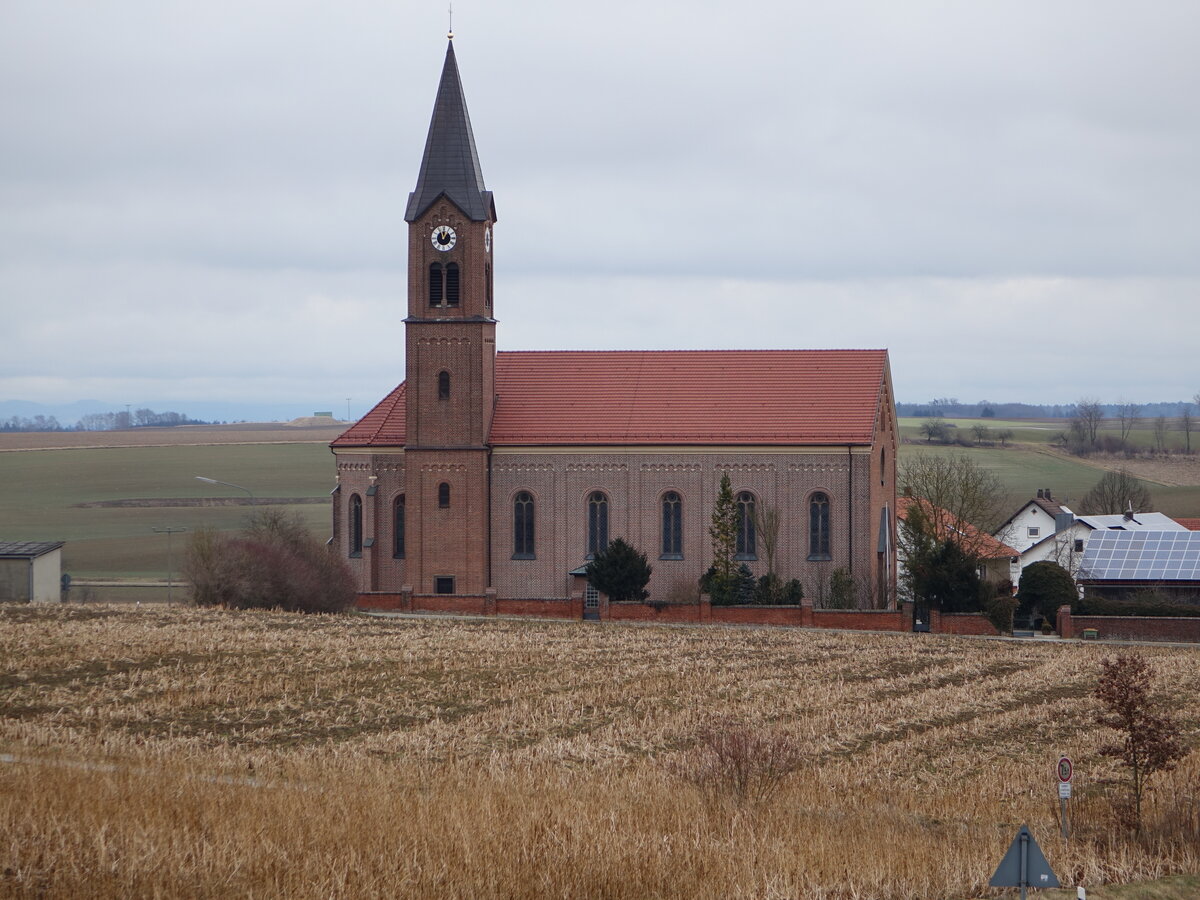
{"x":485,"y":480}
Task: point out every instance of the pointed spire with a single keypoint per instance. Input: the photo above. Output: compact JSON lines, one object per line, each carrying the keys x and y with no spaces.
{"x":450,"y":165}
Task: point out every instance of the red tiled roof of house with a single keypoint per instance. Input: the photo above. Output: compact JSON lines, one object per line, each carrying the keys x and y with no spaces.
{"x":982,"y":543}
{"x":1189,"y":524}
{"x":574,"y":397}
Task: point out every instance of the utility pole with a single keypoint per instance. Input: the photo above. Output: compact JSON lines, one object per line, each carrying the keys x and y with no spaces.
{"x":170,"y":569}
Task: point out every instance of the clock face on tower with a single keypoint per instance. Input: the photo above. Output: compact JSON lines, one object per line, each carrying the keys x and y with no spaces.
{"x":443,"y":238}
{"x":487,"y":240}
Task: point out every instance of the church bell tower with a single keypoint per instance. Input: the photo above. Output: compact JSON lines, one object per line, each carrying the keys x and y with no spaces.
{"x":450,"y":354}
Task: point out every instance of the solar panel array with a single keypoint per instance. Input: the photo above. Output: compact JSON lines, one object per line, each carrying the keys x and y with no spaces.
{"x":1141,"y":556}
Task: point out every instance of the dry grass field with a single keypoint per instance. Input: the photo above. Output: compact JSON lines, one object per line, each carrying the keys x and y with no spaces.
{"x":178,"y":752}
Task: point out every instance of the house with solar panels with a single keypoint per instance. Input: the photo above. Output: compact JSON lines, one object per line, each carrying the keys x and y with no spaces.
{"x":1063,"y":539}
{"x":488,"y":478}
{"x":1122,"y":564}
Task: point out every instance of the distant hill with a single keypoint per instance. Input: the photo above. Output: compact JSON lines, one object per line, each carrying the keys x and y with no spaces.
{"x":68,"y":414}
{"x":954,"y":409}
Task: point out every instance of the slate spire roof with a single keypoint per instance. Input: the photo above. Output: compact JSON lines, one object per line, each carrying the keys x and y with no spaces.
{"x":450,"y":165}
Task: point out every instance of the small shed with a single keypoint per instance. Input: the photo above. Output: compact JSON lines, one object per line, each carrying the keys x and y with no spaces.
{"x":30,"y":571}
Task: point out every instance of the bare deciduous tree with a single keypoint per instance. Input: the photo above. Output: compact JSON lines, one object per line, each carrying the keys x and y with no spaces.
{"x":1186,"y":423}
{"x":1127,"y":416}
{"x":957,"y":490}
{"x":1089,"y":413}
{"x":1160,"y":434}
{"x":1114,"y":493}
{"x":766,"y":521}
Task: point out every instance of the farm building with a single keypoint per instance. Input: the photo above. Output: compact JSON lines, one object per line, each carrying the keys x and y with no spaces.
{"x":490,"y":477}
{"x":30,"y":571}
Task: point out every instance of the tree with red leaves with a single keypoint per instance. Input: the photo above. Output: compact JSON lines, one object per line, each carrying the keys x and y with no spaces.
{"x":1151,"y":735}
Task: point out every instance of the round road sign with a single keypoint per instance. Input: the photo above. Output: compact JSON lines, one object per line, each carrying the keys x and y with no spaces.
{"x":1064,"y":769}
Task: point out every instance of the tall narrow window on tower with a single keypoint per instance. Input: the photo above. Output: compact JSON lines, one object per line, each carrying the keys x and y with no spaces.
{"x":356,"y":525}
{"x":443,"y":385}
{"x":443,"y":495}
{"x":398,"y":528}
{"x":436,"y":292}
{"x":452,"y":284}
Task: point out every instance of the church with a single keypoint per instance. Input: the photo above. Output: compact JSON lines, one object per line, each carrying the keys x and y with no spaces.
{"x":488,"y":478}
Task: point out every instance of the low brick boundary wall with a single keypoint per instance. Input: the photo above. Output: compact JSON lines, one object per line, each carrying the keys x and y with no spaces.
{"x":1129,"y":628}
{"x":699,"y":612}
{"x":961,"y":623}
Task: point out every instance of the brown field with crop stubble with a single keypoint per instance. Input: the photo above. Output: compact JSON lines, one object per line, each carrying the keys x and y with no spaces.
{"x":181,"y":752}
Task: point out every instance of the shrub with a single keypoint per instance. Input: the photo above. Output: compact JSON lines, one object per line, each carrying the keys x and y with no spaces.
{"x":620,"y":571}
{"x":747,"y":764}
{"x":1045,"y":586}
{"x":275,"y":563}
{"x":743,"y":585}
{"x":999,"y":609}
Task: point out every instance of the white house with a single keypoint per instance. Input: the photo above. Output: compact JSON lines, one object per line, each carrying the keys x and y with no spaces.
{"x":1045,"y":530}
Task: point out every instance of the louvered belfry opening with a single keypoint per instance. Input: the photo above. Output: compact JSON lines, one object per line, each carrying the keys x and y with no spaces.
{"x":452,"y":284}
{"x":436,"y":291}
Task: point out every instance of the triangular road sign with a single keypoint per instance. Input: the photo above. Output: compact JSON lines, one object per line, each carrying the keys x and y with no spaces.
{"x":1024,"y":865}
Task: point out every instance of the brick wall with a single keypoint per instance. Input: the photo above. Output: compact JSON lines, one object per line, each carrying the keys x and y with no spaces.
{"x":761,"y":615}
{"x":643,"y":612}
{"x":1130,"y":628}
{"x":862,"y":620}
{"x":960,"y":623}
{"x":553,"y":608}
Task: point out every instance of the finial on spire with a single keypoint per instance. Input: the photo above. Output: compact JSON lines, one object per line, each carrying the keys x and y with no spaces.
{"x":450,"y":33}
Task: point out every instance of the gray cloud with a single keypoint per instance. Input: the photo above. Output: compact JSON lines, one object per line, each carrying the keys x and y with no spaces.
{"x":206,"y":200}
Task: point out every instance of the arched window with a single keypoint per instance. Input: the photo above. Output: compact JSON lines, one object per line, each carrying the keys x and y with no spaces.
{"x":452,"y":284}
{"x":818,"y":527}
{"x":398,"y":528}
{"x":488,"y":281}
{"x":883,"y":465}
{"x":747,"y":534}
{"x":672,"y":525}
{"x":523,"y":526}
{"x":443,"y":385}
{"x":356,"y":531}
{"x":597,"y":522}
{"x":436,"y":289}
{"x":444,"y":495}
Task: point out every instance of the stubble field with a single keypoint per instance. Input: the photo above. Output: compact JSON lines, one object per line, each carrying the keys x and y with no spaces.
{"x":180,"y":752}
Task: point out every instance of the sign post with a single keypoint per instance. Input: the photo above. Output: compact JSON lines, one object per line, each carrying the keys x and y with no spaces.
{"x":1065,"y":773}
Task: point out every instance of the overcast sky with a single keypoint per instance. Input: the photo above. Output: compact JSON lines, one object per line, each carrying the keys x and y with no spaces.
{"x":204,"y":201}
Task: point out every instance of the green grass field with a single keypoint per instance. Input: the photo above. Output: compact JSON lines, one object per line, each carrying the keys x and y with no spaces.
{"x":43,"y":488}
{"x":1045,"y":431}
{"x":1024,"y":469}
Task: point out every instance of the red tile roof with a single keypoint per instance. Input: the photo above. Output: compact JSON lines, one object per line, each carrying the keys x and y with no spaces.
{"x":1189,"y":524}
{"x":574,"y":397}
{"x":963,"y":533}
